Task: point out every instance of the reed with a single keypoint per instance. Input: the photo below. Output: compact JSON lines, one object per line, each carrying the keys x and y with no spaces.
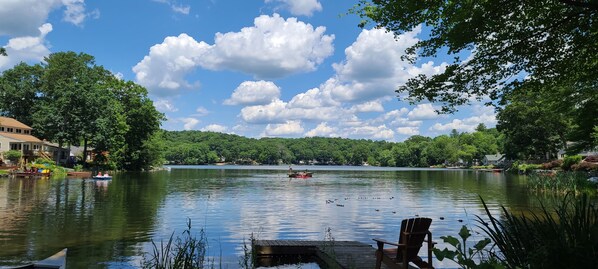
{"x":566,"y":237}
{"x":561,"y":183}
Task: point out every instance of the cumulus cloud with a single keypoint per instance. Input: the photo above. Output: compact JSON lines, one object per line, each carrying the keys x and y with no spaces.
{"x":26,"y":48}
{"x":423,"y":112}
{"x":254,"y":93}
{"x":373,"y":67}
{"x":409,"y":131}
{"x":372,"y":106}
{"x":300,"y":7}
{"x":189,"y":123}
{"x":283,"y":129}
{"x":313,"y":98}
{"x":202,"y":111}
{"x":380,"y":132}
{"x":279,"y":111}
{"x":484,"y":115}
{"x":163,"y":70}
{"x":215,"y":128}
{"x":272,"y":48}
{"x":322,"y":130}
{"x":165,"y":105}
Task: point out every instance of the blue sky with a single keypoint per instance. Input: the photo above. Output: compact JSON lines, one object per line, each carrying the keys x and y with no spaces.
{"x":260,"y":68}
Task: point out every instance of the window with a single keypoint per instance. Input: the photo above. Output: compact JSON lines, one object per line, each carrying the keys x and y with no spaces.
{"x":19,"y":131}
{"x":25,"y":146}
{"x":26,"y":131}
{"x":35,"y":147}
{"x":1,"y":129}
{"x":10,"y":130}
{"x":15,"y":146}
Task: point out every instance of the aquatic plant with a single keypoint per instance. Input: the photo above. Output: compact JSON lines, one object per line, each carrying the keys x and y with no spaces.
{"x":186,"y":252}
{"x":561,"y":183}
{"x":564,"y":238}
{"x":477,"y":257}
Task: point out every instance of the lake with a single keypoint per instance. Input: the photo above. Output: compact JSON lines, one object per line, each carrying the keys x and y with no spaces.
{"x":110,"y":224}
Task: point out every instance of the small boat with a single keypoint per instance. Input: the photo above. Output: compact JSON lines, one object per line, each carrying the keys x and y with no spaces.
{"x":56,"y":261}
{"x":300,"y":174}
{"x":104,"y":177}
{"x":79,"y":174}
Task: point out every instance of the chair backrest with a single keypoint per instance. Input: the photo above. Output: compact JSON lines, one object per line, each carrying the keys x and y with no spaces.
{"x":413,"y":233}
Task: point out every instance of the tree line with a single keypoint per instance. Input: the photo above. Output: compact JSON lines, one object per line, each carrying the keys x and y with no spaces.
{"x":69,"y":100}
{"x":197,"y":147}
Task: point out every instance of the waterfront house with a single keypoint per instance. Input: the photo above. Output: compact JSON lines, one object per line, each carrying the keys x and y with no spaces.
{"x":494,"y":159}
{"x":14,"y":135}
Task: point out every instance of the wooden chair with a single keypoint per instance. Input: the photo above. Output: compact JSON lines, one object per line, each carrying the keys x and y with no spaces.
{"x":411,"y":238}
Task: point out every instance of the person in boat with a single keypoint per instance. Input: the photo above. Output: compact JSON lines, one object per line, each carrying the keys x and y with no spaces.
{"x":99,"y":174}
{"x":106,"y":175}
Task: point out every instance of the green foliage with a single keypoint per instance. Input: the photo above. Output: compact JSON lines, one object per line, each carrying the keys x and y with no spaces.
{"x":187,"y":252}
{"x":477,"y":257}
{"x":569,"y":161}
{"x":70,"y":100}
{"x":561,"y":183}
{"x":78,"y":167}
{"x":13,"y":155}
{"x":526,"y":168}
{"x":564,"y":238}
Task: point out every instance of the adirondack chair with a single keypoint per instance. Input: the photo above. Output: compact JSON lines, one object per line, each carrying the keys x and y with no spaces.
{"x":411,"y":238}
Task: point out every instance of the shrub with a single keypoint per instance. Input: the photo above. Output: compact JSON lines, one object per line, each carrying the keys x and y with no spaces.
{"x":13,"y":156}
{"x":569,"y":161}
{"x":552,"y":164}
{"x":585,"y":167}
{"x":591,"y":158}
{"x":561,"y":183}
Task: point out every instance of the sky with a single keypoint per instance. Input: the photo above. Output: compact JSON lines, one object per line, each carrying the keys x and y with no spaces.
{"x":255,"y":68}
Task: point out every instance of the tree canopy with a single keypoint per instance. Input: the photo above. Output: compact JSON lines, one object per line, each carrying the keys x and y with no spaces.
{"x":70,"y":100}
{"x":512,"y":43}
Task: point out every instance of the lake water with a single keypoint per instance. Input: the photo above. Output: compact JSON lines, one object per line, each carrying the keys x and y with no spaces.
{"x":110,"y":224}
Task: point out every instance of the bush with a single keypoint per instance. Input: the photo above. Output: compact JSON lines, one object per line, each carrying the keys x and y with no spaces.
{"x":569,"y":161}
{"x":585,"y":167}
{"x":591,"y":158}
{"x":13,"y":156}
{"x":552,"y":165}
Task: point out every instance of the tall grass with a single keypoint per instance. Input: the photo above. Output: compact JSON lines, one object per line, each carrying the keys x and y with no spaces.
{"x":186,"y":252}
{"x":561,"y":183}
{"x":564,"y":238}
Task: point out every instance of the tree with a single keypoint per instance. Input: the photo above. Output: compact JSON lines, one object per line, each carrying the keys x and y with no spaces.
{"x":512,"y":43}
{"x":19,"y":88}
{"x":3,"y":52}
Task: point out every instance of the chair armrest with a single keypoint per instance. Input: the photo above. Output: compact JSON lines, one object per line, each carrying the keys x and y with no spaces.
{"x":381,"y":242}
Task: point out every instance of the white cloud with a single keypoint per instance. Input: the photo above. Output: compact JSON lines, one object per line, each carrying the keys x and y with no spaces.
{"x":272,"y":48}
{"x":202,"y":111}
{"x":165,"y":105}
{"x":189,"y":123}
{"x":313,"y":98}
{"x":373,"y":67}
{"x":423,"y":112}
{"x":408,"y":130}
{"x":322,"y":130}
{"x":372,"y":132}
{"x":254,"y":93}
{"x":178,"y":8}
{"x":372,"y":106}
{"x":26,"y":48}
{"x":269,"y":113}
{"x":163,"y":70}
{"x":215,"y":128}
{"x":300,"y":7}
{"x":284,"y":129}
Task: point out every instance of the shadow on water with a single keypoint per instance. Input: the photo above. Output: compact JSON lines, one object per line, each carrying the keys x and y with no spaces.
{"x":110,"y":224}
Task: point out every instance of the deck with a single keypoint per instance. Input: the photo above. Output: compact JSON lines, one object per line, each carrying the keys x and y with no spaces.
{"x":335,"y":254}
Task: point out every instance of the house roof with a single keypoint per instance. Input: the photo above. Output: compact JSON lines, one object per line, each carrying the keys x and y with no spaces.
{"x":10,"y":122}
{"x":21,"y":137}
{"x":495,"y":157}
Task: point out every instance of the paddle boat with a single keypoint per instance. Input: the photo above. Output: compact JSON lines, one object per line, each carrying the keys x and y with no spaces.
{"x":300,"y":174}
{"x":99,"y":176}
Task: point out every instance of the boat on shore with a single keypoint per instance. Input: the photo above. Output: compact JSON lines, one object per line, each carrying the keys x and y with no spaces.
{"x":300,"y":174}
{"x":56,"y":261}
{"x":80,"y":174}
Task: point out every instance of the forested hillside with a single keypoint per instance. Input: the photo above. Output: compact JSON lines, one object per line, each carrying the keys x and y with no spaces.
{"x":196,"y":147}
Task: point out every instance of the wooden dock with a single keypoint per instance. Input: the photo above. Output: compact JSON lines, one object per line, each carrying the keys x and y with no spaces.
{"x":334,"y":254}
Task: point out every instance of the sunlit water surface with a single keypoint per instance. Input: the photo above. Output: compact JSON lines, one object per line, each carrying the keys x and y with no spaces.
{"x":110,"y":224}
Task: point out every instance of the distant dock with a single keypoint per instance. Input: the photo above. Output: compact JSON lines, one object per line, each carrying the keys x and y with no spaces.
{"x":334,"y":254}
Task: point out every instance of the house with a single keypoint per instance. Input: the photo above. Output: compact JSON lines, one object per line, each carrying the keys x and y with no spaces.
{"x":14,"y":135}
{"x":495,"y":159}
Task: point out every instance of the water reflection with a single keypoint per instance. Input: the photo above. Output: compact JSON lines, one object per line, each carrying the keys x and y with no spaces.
{"x":108,"y":224}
